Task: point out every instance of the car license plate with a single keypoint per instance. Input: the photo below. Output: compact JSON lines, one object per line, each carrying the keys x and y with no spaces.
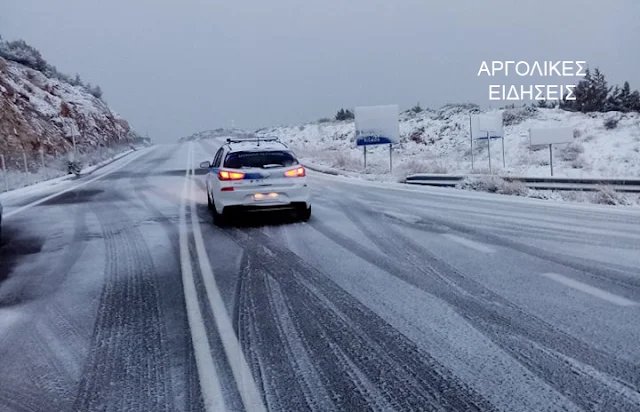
{"x":265,"y":196}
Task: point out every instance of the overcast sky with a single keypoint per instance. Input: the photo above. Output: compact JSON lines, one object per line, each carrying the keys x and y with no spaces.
{"x":177,"y":67}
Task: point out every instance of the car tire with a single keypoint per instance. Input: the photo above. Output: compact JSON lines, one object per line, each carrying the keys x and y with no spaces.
{"x":304,"y":213}
{"x":209,"y":202}
{"x":219,"y":219}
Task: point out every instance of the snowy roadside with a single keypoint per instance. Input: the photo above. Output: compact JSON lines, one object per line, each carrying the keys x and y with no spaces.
{"x":46,"y":184}
{"x":491,"y":184}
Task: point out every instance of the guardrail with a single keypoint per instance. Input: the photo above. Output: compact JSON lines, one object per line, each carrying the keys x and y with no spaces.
{"x":539,"y":183}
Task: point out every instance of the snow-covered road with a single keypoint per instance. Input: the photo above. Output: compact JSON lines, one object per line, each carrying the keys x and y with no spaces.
{"x":119,"y":294}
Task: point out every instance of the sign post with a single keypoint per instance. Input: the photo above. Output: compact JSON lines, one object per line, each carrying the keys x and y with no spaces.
{"x":489,"y":150}
{"x":365,"y":156}
{"x":550,"y":136}
{"x":504,"y":162}
{"x":489,"y":126}
{"x":471,"y":134}
{"x":377,"y":125}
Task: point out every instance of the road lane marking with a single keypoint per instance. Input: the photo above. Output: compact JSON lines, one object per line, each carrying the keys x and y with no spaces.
{"x":44,"y":199}
{"x":208,"y":376}
{"x":469,"y":243}
{"x":247,"y":387}
{"x":591,"y":290}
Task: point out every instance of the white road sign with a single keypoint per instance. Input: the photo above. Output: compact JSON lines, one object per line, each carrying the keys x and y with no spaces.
{"x":483,"y":123}
{"x":377,"y":125}
{"x":550,"y":136}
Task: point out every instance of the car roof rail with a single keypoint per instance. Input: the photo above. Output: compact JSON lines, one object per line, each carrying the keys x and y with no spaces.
{"x":256,"y":139}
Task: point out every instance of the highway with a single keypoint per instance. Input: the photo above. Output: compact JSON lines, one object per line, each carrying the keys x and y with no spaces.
{"x":117,"y":293}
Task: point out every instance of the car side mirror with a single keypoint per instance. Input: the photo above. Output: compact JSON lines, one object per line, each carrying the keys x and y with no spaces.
{"x":205,"y":165}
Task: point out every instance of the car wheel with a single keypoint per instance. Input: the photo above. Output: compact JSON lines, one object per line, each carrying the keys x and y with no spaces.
{"x":209,"y":202}
{"x":219,"y":219}
{"x":304,"y":213}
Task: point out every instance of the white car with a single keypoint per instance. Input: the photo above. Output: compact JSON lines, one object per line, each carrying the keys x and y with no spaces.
{"x":256,"y":175}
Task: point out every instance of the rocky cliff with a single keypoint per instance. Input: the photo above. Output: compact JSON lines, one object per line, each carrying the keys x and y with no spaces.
{"x":40,"y":113}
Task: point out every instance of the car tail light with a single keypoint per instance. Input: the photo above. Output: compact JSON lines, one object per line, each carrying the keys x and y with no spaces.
{"x":227,"y":175}
{"x":227,"y":189}
{"x":297,"y":172}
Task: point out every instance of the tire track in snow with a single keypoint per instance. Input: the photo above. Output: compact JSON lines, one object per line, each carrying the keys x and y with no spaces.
{"x":402,"y":375}
{"x":262,"y":343}
{"x":43,"y":338}
{"x":504,"y":321}
{"x":180,"y":357}
{"x":595,"y":269}
{"x":126,"y":368}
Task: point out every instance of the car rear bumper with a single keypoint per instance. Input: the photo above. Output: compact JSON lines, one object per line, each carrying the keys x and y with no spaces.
{"x":243,"y":199}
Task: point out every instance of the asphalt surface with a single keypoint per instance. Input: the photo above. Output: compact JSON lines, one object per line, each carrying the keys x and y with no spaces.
{"x":117,"y":293}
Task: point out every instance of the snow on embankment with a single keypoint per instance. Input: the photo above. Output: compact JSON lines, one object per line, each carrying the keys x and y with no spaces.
{"x":437,"y":141}
{"x":40,"y":114}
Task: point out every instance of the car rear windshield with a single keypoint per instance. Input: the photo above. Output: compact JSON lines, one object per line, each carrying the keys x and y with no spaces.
{"x":239,"y":160}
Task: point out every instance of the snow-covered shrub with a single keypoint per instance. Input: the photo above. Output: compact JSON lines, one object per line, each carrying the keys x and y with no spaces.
{"x":573,"y":195}
{"x":571,"y":151}
{"x":413,"y":166}
{"x":19,"y":51}
{"x":447,"y":111}
{"x":324,"y":120}
{"x":606,"y":195}
{"x":481,"y":171}
{"x":610,"y":123}
{"x":344,"y":161}
{"x":580,"y":163}
{"x":590,"y":138}
{"x":417,"y":135}
{"x":95,"y":91}
{"x":512,"y":117}
{"x":493,"y":184}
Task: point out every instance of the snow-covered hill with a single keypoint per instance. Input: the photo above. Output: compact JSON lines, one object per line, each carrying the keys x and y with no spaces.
{"x":40,"y":114}
{"x":437,"y":141}
{"x":212,"y":134}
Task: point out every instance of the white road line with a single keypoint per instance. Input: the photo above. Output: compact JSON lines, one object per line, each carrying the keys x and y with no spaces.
{"x":208,"y":376}
{"x":251,"y":397}
{"x":591,"y":290}
{"x":469,"y":243}
{"x":44,"y":199}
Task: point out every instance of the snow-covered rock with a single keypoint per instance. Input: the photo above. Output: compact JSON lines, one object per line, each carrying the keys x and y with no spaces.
{"x":41,"y":114}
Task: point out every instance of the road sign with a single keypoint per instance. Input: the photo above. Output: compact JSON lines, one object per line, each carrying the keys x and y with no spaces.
{"x":481,"y":124}
{"x":550,"y":136}
{"x":487,"y":127}
{"x":377,"y":125}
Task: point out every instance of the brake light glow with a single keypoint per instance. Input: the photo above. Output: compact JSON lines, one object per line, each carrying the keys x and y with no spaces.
{"x":227,"y":189}
{"x":297,"y":172}
{"x":227,"y":175}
